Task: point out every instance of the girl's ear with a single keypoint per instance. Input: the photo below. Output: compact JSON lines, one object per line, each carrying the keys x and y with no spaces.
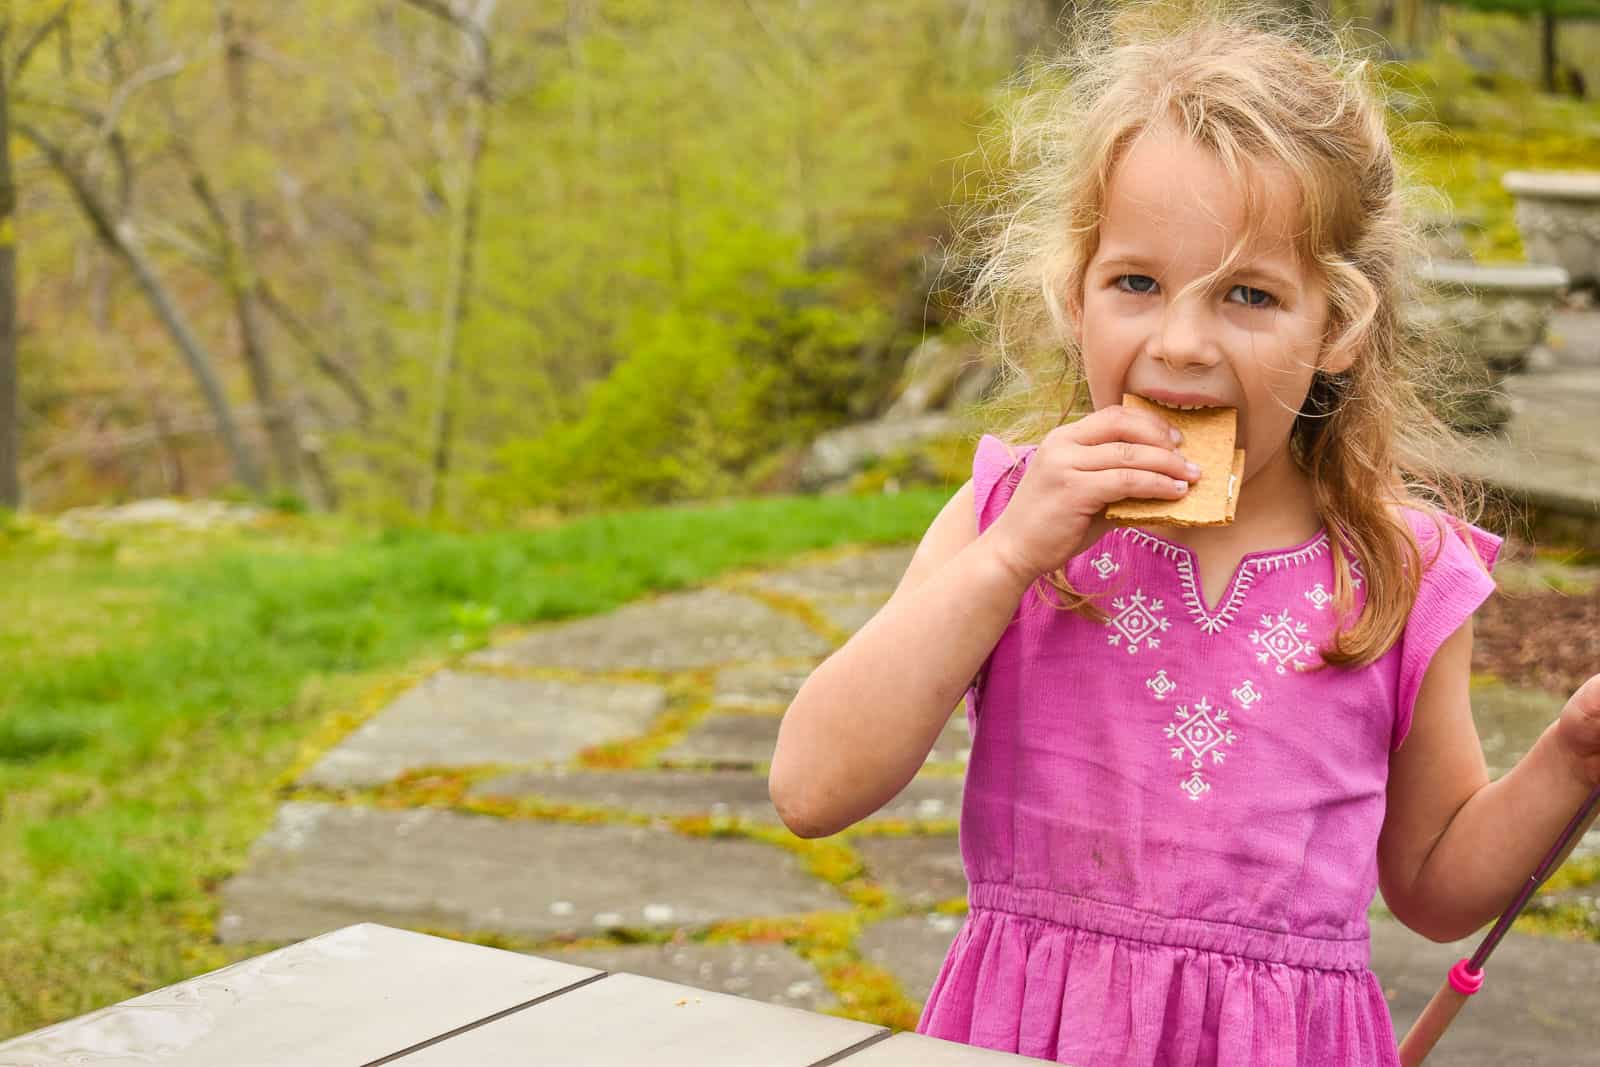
{"x":1072,"y":307}
{"x":1337,"y":360}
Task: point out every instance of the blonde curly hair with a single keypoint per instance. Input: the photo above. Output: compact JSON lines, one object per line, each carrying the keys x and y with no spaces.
{"x":1258,"y":88}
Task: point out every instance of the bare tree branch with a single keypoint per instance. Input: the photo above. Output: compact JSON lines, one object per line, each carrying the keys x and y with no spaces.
{"x":463,"y":234}
{"x":335,"y":370}
{"x":122,"y":239}
{"x":125,"y":91}
{"x":191,"y":424}
{"x":58,"y":21}
{"x":379,"y":105}
{"x":452,"y":13}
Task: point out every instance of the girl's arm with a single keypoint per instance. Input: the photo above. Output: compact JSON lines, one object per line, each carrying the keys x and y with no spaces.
{"x":1456,"y":848}
{"x":864,"y":721}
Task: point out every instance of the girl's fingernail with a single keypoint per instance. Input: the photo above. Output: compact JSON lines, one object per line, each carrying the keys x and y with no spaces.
{"x":1182,"y":487}
{"x":1177,"y":438}
{"x":1192,"y":470}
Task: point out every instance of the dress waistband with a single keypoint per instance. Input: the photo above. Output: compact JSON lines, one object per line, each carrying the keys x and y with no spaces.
{"x":1117,"y":920}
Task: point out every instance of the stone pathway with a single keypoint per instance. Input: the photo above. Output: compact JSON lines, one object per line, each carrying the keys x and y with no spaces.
{"x":595,"y":791}
{"x":1549,"y":454}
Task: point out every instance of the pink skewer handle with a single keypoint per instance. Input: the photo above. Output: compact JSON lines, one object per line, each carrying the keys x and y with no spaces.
{"x":1441,"y":1010}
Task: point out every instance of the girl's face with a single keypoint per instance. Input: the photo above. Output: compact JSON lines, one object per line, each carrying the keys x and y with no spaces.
{"x":1250,"y":341}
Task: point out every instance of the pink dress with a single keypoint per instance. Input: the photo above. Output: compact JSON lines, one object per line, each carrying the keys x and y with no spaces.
{"x":1169,"y":830}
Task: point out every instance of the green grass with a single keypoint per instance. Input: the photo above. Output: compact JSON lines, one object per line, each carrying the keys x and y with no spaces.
{"x":155,"y":688}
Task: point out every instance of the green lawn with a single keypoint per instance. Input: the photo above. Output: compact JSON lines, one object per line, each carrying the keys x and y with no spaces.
{"x":155,"y":688}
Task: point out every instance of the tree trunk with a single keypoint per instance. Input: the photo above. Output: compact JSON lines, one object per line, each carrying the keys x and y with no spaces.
{"x":242,"y":278}
{"x":149,"y":391}
{"x":464,"y":230}
{"x":121,"y":239}
{"x":1383,"y":20}
{"x":474,"y":28}
{"x":10,"y":412}
{"x":1547,"y":49}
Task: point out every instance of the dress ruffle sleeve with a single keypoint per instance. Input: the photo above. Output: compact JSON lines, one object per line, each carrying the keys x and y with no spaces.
{"x":997,"y":468}
{"x":1455,"y":582}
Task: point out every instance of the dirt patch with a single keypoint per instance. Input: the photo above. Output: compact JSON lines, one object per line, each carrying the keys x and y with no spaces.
{"x":1539,"y":638}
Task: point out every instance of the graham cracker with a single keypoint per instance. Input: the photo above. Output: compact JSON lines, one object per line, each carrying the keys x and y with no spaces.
{"x":1208,"y":439}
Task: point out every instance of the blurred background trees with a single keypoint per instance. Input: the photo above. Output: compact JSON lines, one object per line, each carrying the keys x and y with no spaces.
{"x":453,"y":260}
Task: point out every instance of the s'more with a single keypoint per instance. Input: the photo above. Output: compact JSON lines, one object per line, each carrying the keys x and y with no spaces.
{"x":1208,"y":440}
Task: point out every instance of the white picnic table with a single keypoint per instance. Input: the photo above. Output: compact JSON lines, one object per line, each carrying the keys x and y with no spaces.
{"x":367,"y":995}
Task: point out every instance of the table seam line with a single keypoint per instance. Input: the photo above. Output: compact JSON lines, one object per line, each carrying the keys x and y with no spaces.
{"x":486,"y":1020}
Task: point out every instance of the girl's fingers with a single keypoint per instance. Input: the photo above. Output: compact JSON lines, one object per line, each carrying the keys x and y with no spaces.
{"x":1109,"y":486}
{"x":1117,"y":423}
{"x":1587,"y":696}
{"x":1138,"y":457}
{"x":1582,"y":715}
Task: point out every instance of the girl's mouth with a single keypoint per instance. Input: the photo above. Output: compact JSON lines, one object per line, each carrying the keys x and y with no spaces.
{"x":1182,"y":401}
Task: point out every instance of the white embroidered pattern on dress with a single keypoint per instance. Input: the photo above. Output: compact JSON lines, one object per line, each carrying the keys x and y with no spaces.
{"x":1247,"y":694}
{"x":1104,"y":565}
{"x":1282,"y":641}
{"x":1160,"y":684}
{"x":1200,"y":733}
{"x":1320,"y":598}
{"x":1248,"y":571}
{"x":1136,"y":621}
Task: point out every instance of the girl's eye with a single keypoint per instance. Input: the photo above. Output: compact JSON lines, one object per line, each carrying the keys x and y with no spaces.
{"x":1136,"y":283}
{"x":1256,"y":298}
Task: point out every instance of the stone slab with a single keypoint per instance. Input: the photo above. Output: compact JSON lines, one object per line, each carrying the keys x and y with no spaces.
{"x":1549,"y":451}
{"x":320,"y":865}
{"x":1536,"y":1006}
{"x":750,"y":739}
{"x":921,"y":869}
{"x":912,"y":948}
{"x":954,"y":743}
{"x":1573,"y":336}
{"x":1509,"y":721}
{"x":875,"y":571}
{"x":759,"y":685}
{"x":735,"y":794}
{"x":454,"y":719}
{"x":681,"y":632}
{"x":351,"y":996}
{"x":764,"y":972}
{"x":728,"y":740}
{"x":624,"y":1020}
{"x":849,"y":613}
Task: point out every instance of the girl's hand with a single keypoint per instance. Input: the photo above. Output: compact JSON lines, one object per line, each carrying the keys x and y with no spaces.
{"x":1578,"y":729}
{"x":1079,"y":468}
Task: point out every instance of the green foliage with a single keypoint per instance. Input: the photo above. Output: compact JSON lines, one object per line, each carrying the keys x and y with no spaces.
{"x":743,"y":186}
{"x":752,"y":355}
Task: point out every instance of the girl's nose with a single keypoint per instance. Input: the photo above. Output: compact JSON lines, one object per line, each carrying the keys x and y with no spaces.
{"x":1186,"y":340}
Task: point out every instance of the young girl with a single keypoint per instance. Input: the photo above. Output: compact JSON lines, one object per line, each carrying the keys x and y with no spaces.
{"x":1197,"y":751}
